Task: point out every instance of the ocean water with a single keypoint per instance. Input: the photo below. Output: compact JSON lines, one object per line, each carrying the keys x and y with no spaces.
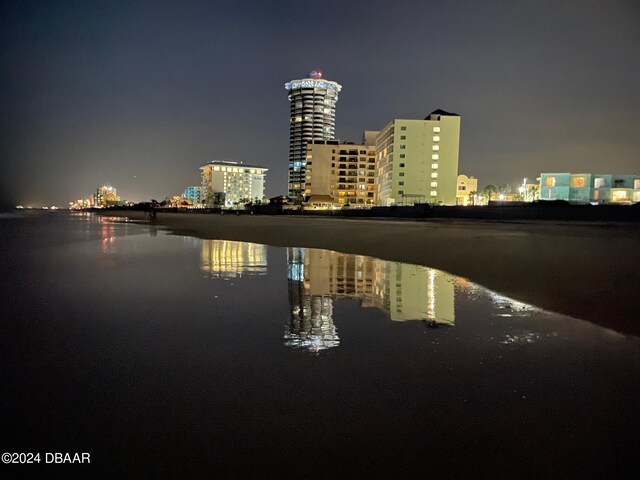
{"x":169,"y":356}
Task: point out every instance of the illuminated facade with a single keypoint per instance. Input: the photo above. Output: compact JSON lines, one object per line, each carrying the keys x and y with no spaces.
{"x":105,"y":196}
{"x":466,"y":188}
{"x":193,"y":194}
{"x":585,"y":188}
{"x":346,"y":172}
{"x":418,"y":160}
{"x":312,"y":117}
{"x":234,"y":183}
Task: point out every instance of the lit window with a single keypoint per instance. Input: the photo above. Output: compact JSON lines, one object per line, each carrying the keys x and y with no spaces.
{"x":598,"y":183}
{"x":435,"y":148}
{"x":435,"y":156}
{"x":436,"y":129}
{"x":436,"y":138}
{"x":434,"y":165}
{"x":434,"y":184}
{"x":434,"y":193}
{"x":434,"y":175}
{"x":619,"y":195}
{"x":577,"y":182}
{"x":216,"y":169}
{"x":550,"y":181}
{"x":636,"y":184}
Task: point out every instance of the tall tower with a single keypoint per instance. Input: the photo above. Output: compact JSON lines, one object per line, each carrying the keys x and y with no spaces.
{"x":313,"y":117}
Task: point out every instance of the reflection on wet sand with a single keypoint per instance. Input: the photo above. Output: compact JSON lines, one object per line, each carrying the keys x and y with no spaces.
{"x":403,"y":291}
{"x":227,"y":259}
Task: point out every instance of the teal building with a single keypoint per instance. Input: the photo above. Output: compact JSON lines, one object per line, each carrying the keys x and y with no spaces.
{"x":590,"y":188}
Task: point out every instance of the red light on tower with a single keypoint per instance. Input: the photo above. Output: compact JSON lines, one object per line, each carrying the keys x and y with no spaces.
{"x":316,"y":75}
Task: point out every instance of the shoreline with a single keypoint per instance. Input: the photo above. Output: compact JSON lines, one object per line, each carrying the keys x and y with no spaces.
{"x":583,"y":270}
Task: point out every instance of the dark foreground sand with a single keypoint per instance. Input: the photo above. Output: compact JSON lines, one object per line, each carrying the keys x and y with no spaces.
{"x":589,"y":271}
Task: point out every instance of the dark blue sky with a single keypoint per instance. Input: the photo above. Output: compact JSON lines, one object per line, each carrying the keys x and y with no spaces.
{"x":95,"y":92}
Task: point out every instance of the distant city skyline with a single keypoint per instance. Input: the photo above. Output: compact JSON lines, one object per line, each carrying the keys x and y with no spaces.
{"x":140,"y":95}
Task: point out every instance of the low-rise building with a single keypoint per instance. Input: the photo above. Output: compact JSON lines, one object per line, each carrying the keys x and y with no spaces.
{"x":595,"y":188}
{"x":231,"y":183}
{"x":466,"y":188}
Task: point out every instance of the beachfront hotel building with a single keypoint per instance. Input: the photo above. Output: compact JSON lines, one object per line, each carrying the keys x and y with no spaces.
{"x":105,"y":196}
{"x":231,"y":183}
{"x":340,"y":174}
{"x":418,"y":160}
{"x":594,"y":188}
{"x":312,"y":117}
{"x":193,"y":194}
{"x":466,"y":188}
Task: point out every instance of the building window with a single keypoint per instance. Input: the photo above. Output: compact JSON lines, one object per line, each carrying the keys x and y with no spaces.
{"x":636,"y":183}
{"x":434,"y":175}
{"x":403,"y":137}
{"x":216,"y":169}
{"x":401,"y":165}
{"x":436,"y":138}
{"x":435,"y":148}
{"x":434,"y":184}
{"x":401,"y":174}
{"x":434,"y":193}
{"x":619,"y":196}
{"x":435,"y":156}
{"x":402,"y":147}
{"x":436,"y":129}
{"x":434,"y":165}
{"x":577,"y":182}
{"x":598,"y":183}
{"x":402,"y":155}
{"x":400,"y":183}
{"x":403,"y":128}
{"x":550,"y":181}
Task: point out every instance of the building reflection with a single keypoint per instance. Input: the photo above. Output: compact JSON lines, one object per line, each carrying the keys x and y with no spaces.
{"x":404,"y":292}
{"x":108,"y":234}
{"x":228,"y":259}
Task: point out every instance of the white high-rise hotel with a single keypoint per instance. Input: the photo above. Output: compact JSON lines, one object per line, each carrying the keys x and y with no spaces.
{"x":313,"y":110}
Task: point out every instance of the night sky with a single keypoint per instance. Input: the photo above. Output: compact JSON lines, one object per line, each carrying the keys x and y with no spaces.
{"x":139,"y":94}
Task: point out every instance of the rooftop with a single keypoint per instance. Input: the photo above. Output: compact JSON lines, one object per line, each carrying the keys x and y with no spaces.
{"x":227,"y":163}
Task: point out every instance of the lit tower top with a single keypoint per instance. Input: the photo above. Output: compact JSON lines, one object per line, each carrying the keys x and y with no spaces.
{"x":312,"y":117}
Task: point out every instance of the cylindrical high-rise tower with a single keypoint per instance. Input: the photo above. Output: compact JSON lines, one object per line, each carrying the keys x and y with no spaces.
{"x":313,"y":117}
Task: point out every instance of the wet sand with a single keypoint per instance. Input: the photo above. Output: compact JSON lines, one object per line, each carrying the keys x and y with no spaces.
{"x":588,"y":271}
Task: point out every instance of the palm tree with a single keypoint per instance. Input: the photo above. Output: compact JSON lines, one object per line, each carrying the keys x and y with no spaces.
{"x":487,"y":192}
